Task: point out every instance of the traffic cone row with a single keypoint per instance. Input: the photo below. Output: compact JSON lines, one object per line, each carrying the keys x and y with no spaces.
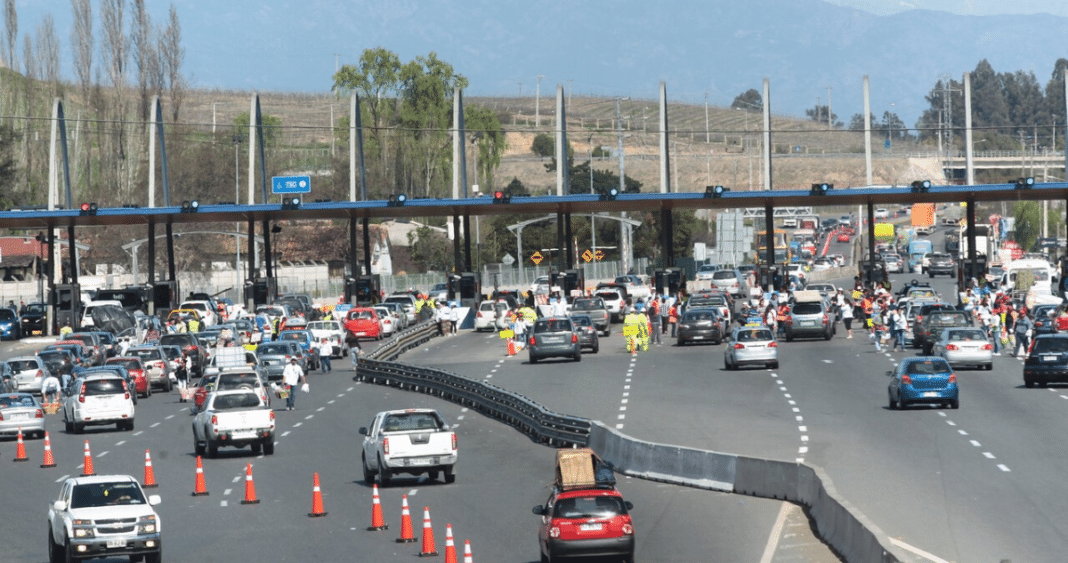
{"x":250,"y":487}
{"x":87,"y":466}
{"x":201,"y":488}
{"x":49,"y":461}
{"x":406,"y":523}
{"x":150,"y":476}
{"x":20,"y":452}
{"x":317,"y":500}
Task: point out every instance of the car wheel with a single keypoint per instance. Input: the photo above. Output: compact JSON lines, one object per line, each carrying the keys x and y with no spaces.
{"x":577,"y":357}
{"x":1029,"y":383}
{"x":989,"y":366}
{"x":952,"y":275}
{"x":533,"y":359}
{"x":775,"y":365}
{"x":154,"y":557}
{"x":79,"y":428}
{"x":931,"y":274}
{"x":68,"y":553}
{"x":256,"y":448}
{"x":789,"y":337}
{"x":954,"y":404}
{"x":54,"y":555}
{"x":892,"y":403}
{"x":596,"y":348}
{"x":268,"y":445}
{"x":198,"y":447}
{"x":368,"y":475}
{"x":827,"y":336}
{"x":384,"y":475}
{"x":69,"y":427}
{"x":450,"y":475}
{"x":213,"y":450}
{"x":726,"y":364}
{"x":170,"y":385}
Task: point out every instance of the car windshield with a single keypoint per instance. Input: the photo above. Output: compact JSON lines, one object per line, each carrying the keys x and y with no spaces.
{"x":966,"y":335}
{"x":1050,"y":346}
{"x":272,"y":350}
{"x":589,"y":507}
{"x":103,"y":387}
{"x":754,"y":335}
{"x":927,"y":367}
{"x":587,"y":305}
{"x":411,"y":421}
{"x":947,"y":317}
{"x":16,"y":401}
{"x":144,"y":354}
{"x":105,"y":494}
{"x":610,"y":295}
{"x":324,"y":325}
{"x":7,"y":315}
{"x":128,"y":364}
{"x":236,"y":401}
{"x":552,"y":325}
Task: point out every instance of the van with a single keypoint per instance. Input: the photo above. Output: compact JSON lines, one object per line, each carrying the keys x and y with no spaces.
{"x":1043,"y":275}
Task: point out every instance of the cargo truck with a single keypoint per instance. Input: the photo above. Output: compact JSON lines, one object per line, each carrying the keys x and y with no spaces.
{"x":923,"y":218}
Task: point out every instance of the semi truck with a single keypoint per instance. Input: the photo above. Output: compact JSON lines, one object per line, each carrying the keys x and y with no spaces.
{"x":923,"y":218}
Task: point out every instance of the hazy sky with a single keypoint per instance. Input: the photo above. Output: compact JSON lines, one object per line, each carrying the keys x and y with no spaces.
{"x":963,"y":7}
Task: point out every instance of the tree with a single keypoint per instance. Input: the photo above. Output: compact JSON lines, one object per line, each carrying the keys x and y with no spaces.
{"x":543,"y":145}
{"x":81,"y":41}
{"x":11,"y":21}
{"x":272,"y":127}
{"x":9,"y":196}
{"x":818,"y":114}
{"x":748,"y":100}
{"x":376,"y":80}
{"x":114,"y":161}
{"x":1028,"y":226}
{"x":144,"y":54}
{"x":430,"y":249}
{"x":48,"y":55}
{"x":427,"y":86}
{"x":171,"y":56}
{"x":485,"y":127}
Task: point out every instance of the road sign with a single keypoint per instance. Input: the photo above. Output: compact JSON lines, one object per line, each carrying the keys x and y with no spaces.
{"x":886,"y":144}
{"x":536,"y":258}
{"x":508,"y":260}
{"x":291,"y":185}
{"x":587,"y":256}
{"x":599,"y":255}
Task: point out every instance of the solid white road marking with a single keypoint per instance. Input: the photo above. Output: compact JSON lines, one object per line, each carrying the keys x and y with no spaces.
{"x":776,"y":532}
{"x":917,"y":551}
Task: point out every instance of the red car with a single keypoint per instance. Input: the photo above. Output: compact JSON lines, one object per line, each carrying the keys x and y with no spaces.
{"x":137,"y":371}
{"x":363,"y":322}
{"x":591,"y":522}
{"x":204,"y":386}
{"x":843,"y":236}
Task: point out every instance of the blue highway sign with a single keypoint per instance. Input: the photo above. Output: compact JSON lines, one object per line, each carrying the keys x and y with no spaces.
{"x":291,"y":185}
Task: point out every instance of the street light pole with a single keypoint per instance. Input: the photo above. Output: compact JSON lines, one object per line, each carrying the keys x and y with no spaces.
{"x":708,"y":138}
{"x":537,"y":103}
{"x":593,"y":226}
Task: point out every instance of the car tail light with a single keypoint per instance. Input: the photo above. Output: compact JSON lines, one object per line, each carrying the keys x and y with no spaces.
{"x":988,"y":346}
{"x":81,"y":394}
{"x":271,"y":415}
{"x":554,"y":532}
{"x":773,"y":344}
{"x":454,"y":441}
{"x":215,"y":419}
{"x":40,"y":374}
{"x":127,"y":394}
{"x":39,"y":414}
{"x":385,"y":446}
{"x":628,"y":529}
{"x":1,"y":416}
{"x":160,"y":364}
{"x":906,"y":380}
{"x":825,"y":318}
{"x":739,"y":346}
{"x":532,"y":342}
{"x":789,"y":319}
{"x":574,"y":338}
{"x":952,"y":347}
{"x":952,"y":378}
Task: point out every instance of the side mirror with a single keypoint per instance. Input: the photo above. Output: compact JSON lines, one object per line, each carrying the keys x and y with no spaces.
{"x":629,"y":505}
{"x":363,"y":431}
{"x":153,"y":500}
{"x":539,"y":510}
{"x":889,"y":374}
{"x":59,"y":506}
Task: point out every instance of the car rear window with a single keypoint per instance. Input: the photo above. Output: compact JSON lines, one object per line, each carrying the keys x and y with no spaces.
{"x":927,"y":367}
{"x":723,"y":275}
{"x":15,"y":401}
{"x":237,"y":401}
{"x":23,"y":365}
{"x":807,"y":309}
{"x":582,"y":321}
{"x":1050,"y":345}
{"x":411,"y":421}
{"x":589,"y":507}
{"x":236,"y":380}
{"x":698,"y":316}
{"x":966,"y":335}
{"x":128,"y":364}
{"x":552,"y":325}
{"x":272,"y":350}
{"x":104,"y":387}
{"x":948,"y":317}
{"x":145,"y":354}
{"x":754,"y":335}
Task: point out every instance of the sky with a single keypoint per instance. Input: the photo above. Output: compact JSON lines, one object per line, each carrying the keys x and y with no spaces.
{"x":961,"y":7}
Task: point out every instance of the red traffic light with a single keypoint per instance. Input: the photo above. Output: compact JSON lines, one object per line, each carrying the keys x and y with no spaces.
{"x":85,"y":207}
{"x":499,"y":197}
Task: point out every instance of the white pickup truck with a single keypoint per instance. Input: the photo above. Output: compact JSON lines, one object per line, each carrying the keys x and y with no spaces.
{"x":103,"y":516}
{"x":236,"y":418}
{"x":412,"y":441}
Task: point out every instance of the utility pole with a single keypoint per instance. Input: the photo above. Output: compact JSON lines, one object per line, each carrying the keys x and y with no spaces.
{"x":708,"y":139}
{"x":570,"y":82}
{"x":830,"y":124}
{"x":336,"y":67}
{"x":537,"y":103}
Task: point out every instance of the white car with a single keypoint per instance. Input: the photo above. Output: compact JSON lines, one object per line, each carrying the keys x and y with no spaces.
{"x":486,"y":316}
{"x":704,"y":273}
{"x":613,"y":301}
{"x":98,"y":399}
{"x":636,"y":288}
{"x":540,"y":285}
{"x":882,"y":213}
{"x":28,"y":373}
{"x":103,"y":516}
{"x":388,"y":320}
{"x":796,"y":270}
{"x":334,"y":332}
{"x":412,"y":441}
{"x":203,"y":308}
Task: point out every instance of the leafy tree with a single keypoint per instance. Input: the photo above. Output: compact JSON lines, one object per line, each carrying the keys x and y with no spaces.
{"x":430,"y":249}
{"x":748,"y":100}
{"x":1028,"y":216}
{"x":890,"y":122}
{"x":544,"y":145}
{"x":685,"y":229}
{"x":818,"y":114}
{"x":9,"y":197}
{"x":376,"y":79}
{"x":427,"y":85}
{"x":272,"y":128}
{"x":485,"y":127}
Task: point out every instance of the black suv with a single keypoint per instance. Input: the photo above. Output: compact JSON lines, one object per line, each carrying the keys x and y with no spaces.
{"x":32,"y":318}
{"x":1047,"y":361}
{"x":188,"y":342}
{"x":940,"y":263}
{"x":932,"y":325}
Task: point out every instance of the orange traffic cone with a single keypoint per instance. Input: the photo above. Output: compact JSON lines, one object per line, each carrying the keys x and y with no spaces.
{"x":201,"y":488}
{"x":406,"y":523}
{"x":48,"y":460}
{"x":87,"y":466}
{"x":450,"y":546}
{"x":317,"y":500}
{"x":20,"y":452}
{"x":511,"y":347}
{"x":377,"y":523}
{"x":429,"y":550}
{"x":467,"y":552}
{"x":150,"y":476}
{"x":250,"y":487}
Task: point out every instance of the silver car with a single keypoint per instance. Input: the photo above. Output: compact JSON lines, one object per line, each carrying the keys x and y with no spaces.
{"x":751,"y":346}
{"x":965,"y":346}
{"x":28,"y":373}
{"x":730,"y":281}
{"x":21,"y":411}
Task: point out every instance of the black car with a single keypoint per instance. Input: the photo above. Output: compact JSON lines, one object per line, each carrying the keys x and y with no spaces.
{"x":188,"y":342}
{"x":554,"y":337}
{"x":1044,"y":318}
{"x":587,"y":332}
{"x":32,"y":318}
{"x":932,"y":325}
{"x":60,"y":362}
{"x":700,"y":325}
{"x":1047,"y":360}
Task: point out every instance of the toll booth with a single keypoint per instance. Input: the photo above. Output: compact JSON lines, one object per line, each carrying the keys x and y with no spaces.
{"x":453,"y":282}
{"x":164,"y":297}
{"x":967,"y":272}
{"x":669,"y":281}
{"x":568,"y":281}
{"x":67,"y":304}
{"x":470,"y":289}
{"x":363,"y":290}
{"x":260,"y":291}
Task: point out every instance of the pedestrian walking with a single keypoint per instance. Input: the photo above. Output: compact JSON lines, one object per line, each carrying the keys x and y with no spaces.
{"x":1022,"y":329}
{"x":847,"y":318}
{"x":326,"y":350}
{"x":354,"y":350}
{"x":292,"y":376}
{"x":655,"y":320}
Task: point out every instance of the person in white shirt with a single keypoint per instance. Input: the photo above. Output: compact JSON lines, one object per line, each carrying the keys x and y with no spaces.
{"x":50,"y":389}
{"x":292,"y":376}
{"x":326,"y":350}
{"x":454,"y":318}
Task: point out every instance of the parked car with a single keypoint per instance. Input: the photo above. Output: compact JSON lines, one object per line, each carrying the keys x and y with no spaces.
{"x":923,"y":380}
{"x":98,"y":399}
{"x":965,"y":346}
{"x":751,"y":345}
{"x":587,"y":332}
{"x":553,"y":337}
{"x":10,"y":326}
{"x":700,"y":325}
{"x":21,"y":411}
{"x":103,"y":516}
{"x":1047,"y":360}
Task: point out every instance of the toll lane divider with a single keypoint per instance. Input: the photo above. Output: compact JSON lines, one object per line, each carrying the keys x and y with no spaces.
{"x":849,"y":533}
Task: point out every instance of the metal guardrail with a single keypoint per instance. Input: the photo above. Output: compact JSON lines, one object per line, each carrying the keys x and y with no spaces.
{"x":530,"y":418}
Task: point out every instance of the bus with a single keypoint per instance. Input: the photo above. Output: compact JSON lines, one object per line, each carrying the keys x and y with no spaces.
{"x":780,"y":241}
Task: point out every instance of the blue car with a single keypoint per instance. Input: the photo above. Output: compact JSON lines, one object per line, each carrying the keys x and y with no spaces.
{"x":923,"y":380}
{"x":305,"y":339}
{"x":10,"y":327}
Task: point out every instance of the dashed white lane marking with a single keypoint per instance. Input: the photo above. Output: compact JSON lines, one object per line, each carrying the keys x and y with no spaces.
{"x":951,"y":423}
{"x":120,"y":442}
{"x":297,"y":424}
{"x":331,"y":401}
{"x":962,"y":432}
{"x":463,"y":409}
{"x":227,"y":492}
{"x":310,"y":416}
{"x":286,"y":433}
{"x":236,"y":479}
{"x":1003,"y":468}
{"x":350,"y":389}
{"x":169,"y":417}
{"x":320,"y":409}
{"x":828,"y":361}
{"x":976,"y":443}
{"x":154,"y":424}
{"x":223,"y":503}
{"x":461,"y":417}
{"x":63,"y":478}
{"x":139,"y":432}
{"x":989,"y":455}
{"x":102,"y":454}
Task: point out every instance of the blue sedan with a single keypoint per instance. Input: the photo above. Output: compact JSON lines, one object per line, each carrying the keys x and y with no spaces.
{"x":923,"y":380}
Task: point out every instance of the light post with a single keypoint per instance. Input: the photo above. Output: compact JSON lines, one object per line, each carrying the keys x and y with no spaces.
{"x":593,"y":226}
{"x":237,"y":200}
{"x":40,"y":267}
{"x":745,"y":146}
{"x":708,"y":138}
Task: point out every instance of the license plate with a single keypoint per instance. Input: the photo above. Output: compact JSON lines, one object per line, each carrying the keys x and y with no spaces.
{"x":420,"y":462}
{"x":242,"y":434}
{"x":931,"y":394}
{"x":1048,"y":358}
{"x":20,"y":416}
{"x":699,"y":338}
{"x":361,"y":334}
{"x":595,"y":527}
{"x":116,"y":543}
{"x":808,"y":323}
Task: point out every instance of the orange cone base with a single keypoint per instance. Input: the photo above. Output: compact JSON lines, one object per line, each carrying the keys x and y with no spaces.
{"x":378,"y":528}
{"x":152,"y":486}
{"x":47,"y":465}
{"x":256,"y":501}
{"x":315,"y":514}
{"x":407,"y":540}
{"x":17,"y":459}
{"x":431,"y":554}
{"x":200,"y":494}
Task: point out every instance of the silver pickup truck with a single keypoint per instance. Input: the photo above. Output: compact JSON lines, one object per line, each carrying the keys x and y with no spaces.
{"x":412,"y":441}
{"x":235,"y":418}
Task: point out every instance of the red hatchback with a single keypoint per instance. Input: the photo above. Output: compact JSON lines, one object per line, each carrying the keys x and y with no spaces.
{"x":137,"y":371}
{"x":587,"y":522}
{"x":363,"y":322}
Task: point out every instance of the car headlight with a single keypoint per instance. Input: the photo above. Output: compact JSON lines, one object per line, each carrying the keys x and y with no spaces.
{"x":147,"y":525}
{"x":82,"y":528}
